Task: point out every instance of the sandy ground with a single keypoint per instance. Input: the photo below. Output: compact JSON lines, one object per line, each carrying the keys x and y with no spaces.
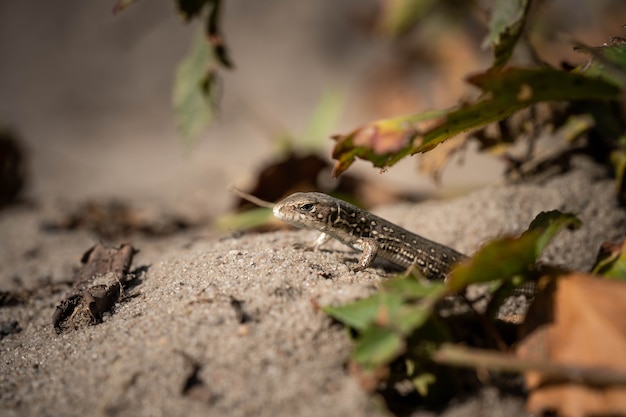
{"x":287,"y":358}
{"x":89,"y":94}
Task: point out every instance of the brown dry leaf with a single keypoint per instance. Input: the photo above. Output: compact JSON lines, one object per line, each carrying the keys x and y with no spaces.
{"x":13,"y":167}
{"x":581,"y":323}
{"x":115,"y":219}
{"x":311,"y":172}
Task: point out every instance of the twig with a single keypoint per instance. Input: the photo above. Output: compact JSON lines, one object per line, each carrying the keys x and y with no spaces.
{"x":250,"y":197}
{"x":551,"y":371}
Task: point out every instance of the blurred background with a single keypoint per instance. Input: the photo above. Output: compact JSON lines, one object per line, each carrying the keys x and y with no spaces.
{"x":89,"y":92}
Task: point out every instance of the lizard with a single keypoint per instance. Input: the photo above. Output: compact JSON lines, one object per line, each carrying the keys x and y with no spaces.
{"x":366,"y":232}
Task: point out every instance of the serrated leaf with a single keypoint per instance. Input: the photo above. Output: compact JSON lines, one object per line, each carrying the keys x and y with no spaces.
{"x":505,"y":27}
{"x":195,"y":86}
{"x":377,"y":346}
{"x":512,"y":89}
{"x":508,"y":257}
{"x":506,"y":91}
{"x":382,"y":142}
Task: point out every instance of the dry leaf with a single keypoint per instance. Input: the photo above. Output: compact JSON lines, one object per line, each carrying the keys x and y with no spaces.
{"x":581,"y":323}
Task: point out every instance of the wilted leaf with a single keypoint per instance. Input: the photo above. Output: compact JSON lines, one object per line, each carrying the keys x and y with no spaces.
{"x":111,"y":220}
{"x":611,"y":261}
{"x":195,"y":89}
{"x":506,"y":91}
{"x":507,"y":257}
{"x":581,"y":325}
{"x":505,"y":27}
{"x":382,"y":142}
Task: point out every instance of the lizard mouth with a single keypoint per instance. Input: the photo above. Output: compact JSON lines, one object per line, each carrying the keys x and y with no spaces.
{"x":277,"y":213}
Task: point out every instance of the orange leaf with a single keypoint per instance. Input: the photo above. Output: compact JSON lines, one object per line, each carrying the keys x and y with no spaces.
{"x":581,"y":323}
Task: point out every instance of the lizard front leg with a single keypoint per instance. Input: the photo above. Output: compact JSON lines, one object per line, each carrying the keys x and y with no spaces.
{"x":321,"y":239}
{"x":369,"y":247}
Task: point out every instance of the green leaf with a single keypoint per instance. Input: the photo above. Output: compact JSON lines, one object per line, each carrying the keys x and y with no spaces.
{"x":392,"y":306}
{"x":324,"y":118}
{"x":618,"y":159}
{"x":245,"y":220}
{"x":362,"y":313}
{"x":508,"y":257}
{"x":611,"y":261}
{"x":608,"y":63}
{"x":382,"y":142}
{"x":422,"y":382}
{"x":195,"y":93}
{"x":500,"y":259}
{"x":512,"y":89}
{"x":505,"y":91}
{"x":377,"y":346}
{"x":386,"y":319}
{"x":505,"y":27}
{"x":410,"y":317}
{"x":549,"y":223}
{"x":408,"y":287}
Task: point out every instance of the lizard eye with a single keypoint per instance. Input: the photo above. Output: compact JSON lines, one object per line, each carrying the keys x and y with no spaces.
{"x":307,"y":207}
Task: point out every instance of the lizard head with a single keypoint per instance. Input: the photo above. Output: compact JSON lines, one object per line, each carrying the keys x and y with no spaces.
{"x":307,"y":210}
